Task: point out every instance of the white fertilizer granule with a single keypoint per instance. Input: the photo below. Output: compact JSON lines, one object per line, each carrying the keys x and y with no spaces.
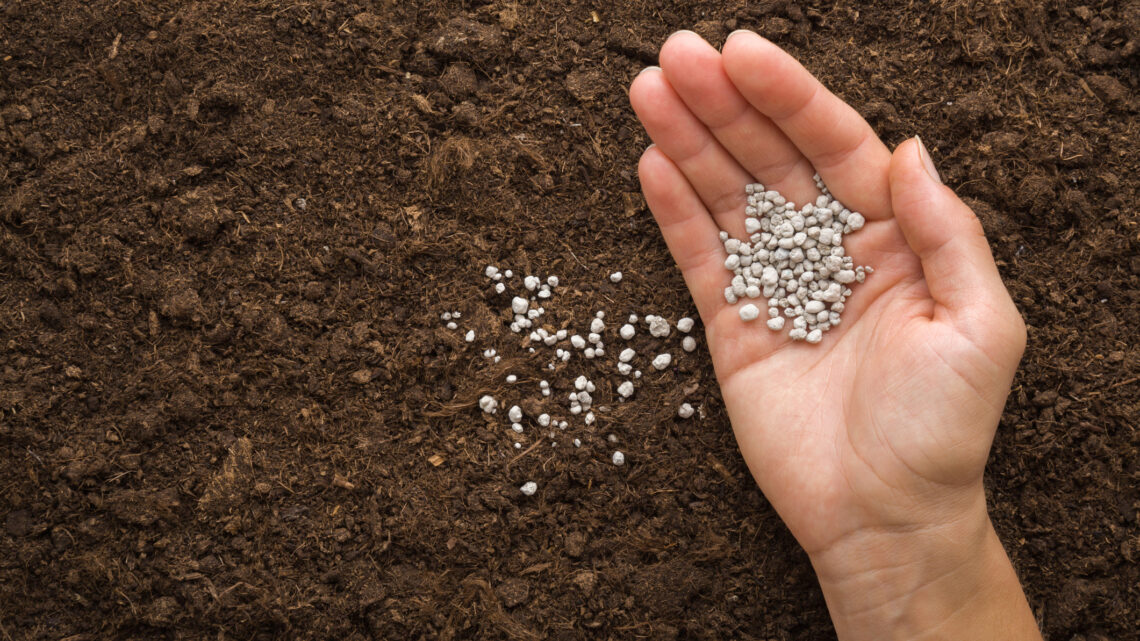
{"x":625,"y":389}
{"x":488,"y":404}
{"x":529,"y":488}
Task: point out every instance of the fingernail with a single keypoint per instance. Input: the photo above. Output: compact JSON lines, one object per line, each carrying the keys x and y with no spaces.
{"x":651,"y":146}
{"x":926,"y":161}
{"x":648,"y":68}
{"x":736,"y":32}
{"x":680,"y":31}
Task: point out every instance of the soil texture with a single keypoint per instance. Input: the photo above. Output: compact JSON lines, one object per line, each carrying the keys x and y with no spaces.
{"x":229,"y":408}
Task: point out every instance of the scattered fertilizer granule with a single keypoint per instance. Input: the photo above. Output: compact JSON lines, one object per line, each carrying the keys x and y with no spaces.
{"x":795,"y":259}
{"x":658,"y":327}
{"x":685,"y":411}
{"x":529,"y":488}
{"x":488,"y":404}
{"x":615,"y":277}
{"x":618,"y":458}
{"x":625,"y":389}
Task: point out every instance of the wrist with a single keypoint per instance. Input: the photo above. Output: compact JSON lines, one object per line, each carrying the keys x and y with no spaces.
{"x":949,"y":580}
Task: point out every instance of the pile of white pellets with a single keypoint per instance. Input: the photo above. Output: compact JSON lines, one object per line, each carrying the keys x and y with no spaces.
{"x":795,"y":260}
{"x":560,"y":352}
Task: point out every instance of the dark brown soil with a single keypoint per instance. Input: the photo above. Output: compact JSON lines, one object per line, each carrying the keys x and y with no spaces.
{"x":227,"y":231}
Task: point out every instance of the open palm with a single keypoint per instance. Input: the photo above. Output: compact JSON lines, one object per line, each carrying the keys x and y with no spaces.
{"x":887,"y":423}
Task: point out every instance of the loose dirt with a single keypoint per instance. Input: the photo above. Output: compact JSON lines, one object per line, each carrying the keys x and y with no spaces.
{"x":228,"y":408}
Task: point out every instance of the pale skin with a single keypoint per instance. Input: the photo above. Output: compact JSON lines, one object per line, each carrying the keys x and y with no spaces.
{"x":872,"y":444}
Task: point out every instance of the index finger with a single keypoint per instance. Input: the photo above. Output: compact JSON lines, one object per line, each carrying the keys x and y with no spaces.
{"x":852,"y":161}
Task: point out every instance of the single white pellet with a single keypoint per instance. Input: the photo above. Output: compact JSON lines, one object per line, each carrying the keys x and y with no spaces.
{"x":531,"y":283}
{"x":624,"y":368}
{"x":470,"y":337}
{"x":491,"y":271}
{"x":627,"y":331}
{"x":615,"y":277}
{"x":618,"y":458}
{"x":511,"y":378}
{"x":685,"y":411}
{"x":530,"y":487}
{"x":544,"y":420}
{"x":776,"y":324}
{"x":452,"y":325}
{"x":589,"y":353}
{"x":446,"y":316}
{"x":577,"y":341}
{"x":749,"y":312}
{"x":627,"y":355}
{"x":625,"y":389}
{"x":500,"y":288}
{"x":658,"y":327}
{"x":588,"y":419}
{"x":661,"y":361}
{"x":814,"y":336}
{"x":633,"y":318}
{"x":488,"y":404}
{"x":685,"y":325}
{"x":519,"y":305}
{"x":597,"y":326}
{"x":552,"y":281}
{"x":517,"y":427}
{"x":515,"y":414}
{"x":688,"y":343}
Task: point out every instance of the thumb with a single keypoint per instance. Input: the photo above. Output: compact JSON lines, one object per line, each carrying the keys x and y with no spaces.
{"x":948,"y":238}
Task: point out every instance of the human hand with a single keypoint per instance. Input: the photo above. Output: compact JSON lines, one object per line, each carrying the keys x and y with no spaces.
{"x":870,"y":445}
